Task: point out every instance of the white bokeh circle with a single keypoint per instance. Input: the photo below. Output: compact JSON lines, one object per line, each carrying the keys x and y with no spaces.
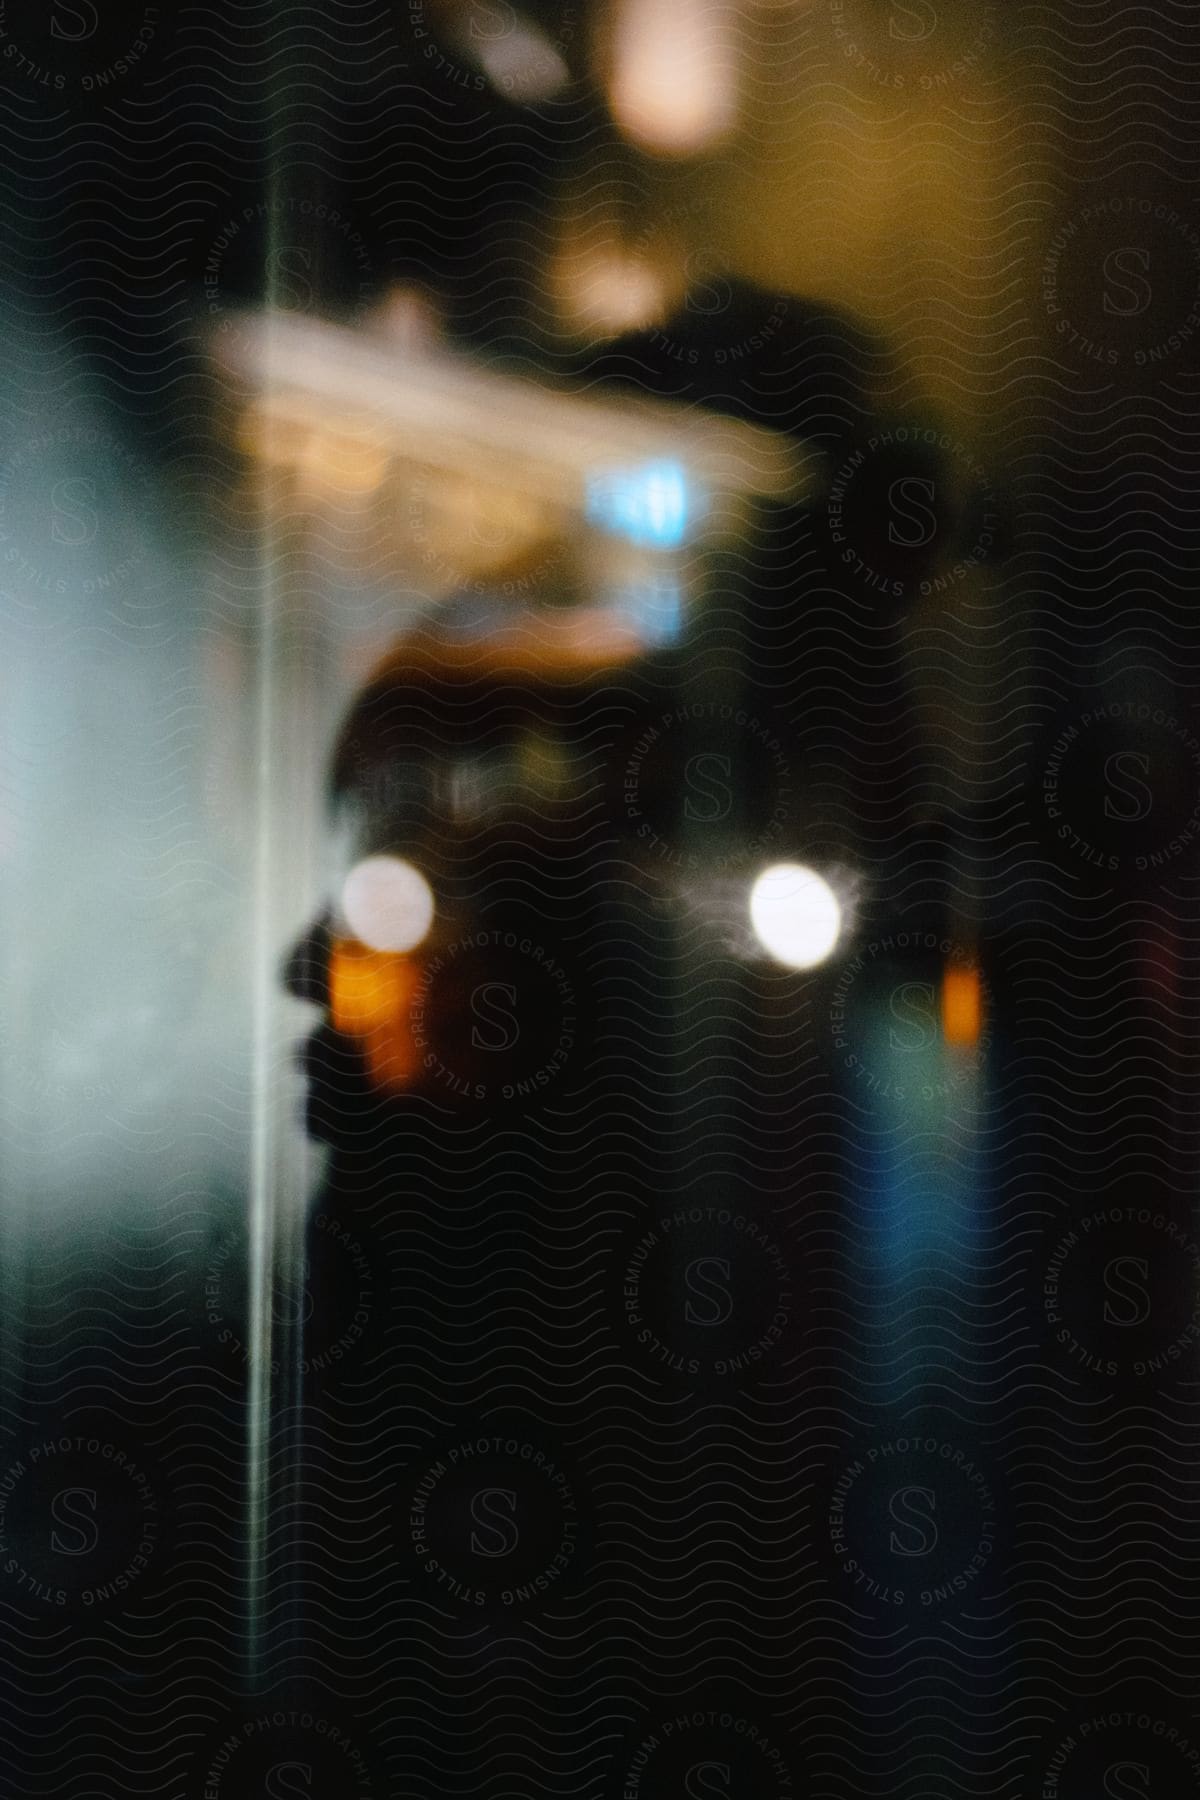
{"x":387,"y":903}
{"x":795,"y":914}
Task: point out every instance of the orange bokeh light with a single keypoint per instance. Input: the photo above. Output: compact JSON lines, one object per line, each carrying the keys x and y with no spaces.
{"x":371,"y":994}
{"x":962,"y":1007}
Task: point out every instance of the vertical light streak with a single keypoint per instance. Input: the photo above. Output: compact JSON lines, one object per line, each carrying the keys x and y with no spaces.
{"x":268,"y":1163}
{"x":262,"y":1134}
{"x":292,"y":700}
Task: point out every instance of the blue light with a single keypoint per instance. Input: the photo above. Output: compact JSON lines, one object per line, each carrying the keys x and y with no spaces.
{"x":651,"y":505}
{"x":653,"y":607}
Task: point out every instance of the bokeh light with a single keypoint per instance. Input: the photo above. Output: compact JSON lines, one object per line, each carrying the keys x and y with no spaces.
{"x":962,"y":1007}
{"x":795,"y":914}
{"x":651,"y":506}
{"x":387,"y":904}
{"x":673,"y":86}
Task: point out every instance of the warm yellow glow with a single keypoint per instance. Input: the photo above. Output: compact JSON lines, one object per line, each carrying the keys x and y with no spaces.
{"x":962,"y":1007}
{"x":296,"y":438}
{"x":673,"y":87}
{"x":603,"y":290}
{"x":442,"y":417}
{"x":466,"y":528}
{"x":371,"y":994}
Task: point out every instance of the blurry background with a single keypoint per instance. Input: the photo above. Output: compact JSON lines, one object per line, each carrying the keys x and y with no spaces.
{"x":910,"y":167}
{"x":231,"y":229}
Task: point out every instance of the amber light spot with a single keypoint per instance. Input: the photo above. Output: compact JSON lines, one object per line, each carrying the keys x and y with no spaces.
{"x":371,"y":998}
{"x":962,"y":1006}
